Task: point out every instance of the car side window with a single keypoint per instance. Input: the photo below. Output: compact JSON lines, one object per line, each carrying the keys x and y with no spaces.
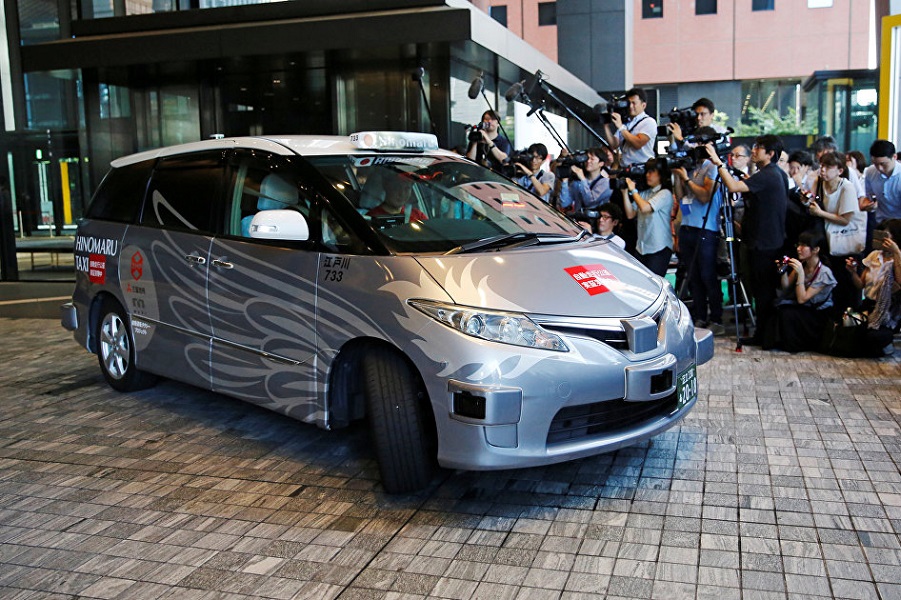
{"x":263,"y":183}
{"x":185,"y":193}
{"x":119,"y":196}
{"x":269,"y":182}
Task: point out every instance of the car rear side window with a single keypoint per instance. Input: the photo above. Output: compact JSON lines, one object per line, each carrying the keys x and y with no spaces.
{"x":119,"y":196}
{"x":185,"y":193}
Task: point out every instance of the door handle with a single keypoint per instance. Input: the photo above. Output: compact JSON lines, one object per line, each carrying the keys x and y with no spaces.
{"x":222,"y":264}
{"x":197,"y":260}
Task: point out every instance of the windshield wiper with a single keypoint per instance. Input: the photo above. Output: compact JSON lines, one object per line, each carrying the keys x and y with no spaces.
{"x":507,"y":240}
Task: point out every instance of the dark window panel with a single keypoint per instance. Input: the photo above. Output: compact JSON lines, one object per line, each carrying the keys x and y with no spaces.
{"x":547,"y":13}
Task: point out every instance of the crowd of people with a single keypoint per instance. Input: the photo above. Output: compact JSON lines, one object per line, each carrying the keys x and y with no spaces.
{"x":816,"y":231}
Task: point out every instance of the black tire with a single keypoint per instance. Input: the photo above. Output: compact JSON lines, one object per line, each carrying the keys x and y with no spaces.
{"x":116,"y":350}
{"x":403,"y":438}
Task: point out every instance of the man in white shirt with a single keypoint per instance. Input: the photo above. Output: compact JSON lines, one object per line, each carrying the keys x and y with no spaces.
{"x":635,"y":138}
{"x":882,"y":180}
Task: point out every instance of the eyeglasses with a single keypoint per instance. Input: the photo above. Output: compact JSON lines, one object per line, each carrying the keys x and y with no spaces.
{"x":733,"y":155}
{"x":605,"y":218}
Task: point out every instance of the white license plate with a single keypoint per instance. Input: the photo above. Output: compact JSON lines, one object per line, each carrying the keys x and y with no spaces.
{"x":687,"y":386}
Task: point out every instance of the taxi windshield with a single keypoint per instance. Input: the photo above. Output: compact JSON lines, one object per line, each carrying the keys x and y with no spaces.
{"x":429,"y":203}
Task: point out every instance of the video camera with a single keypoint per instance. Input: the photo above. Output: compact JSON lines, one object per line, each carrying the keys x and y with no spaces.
{"x":693,"y":151}
{"x":618,"y":105}
{"x":523,"y":157}
{"x":564,"y":169}
{"x":685,"y":118}
{"x":474,"y":131}
{"x":636,"y":172}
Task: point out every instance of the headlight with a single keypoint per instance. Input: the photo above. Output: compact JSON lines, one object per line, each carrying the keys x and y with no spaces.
{"x":506,"y":328}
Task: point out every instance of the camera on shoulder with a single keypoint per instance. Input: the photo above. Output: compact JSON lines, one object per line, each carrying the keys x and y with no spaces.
{"x":637,"y":173}
{"x":577,"y":159}
{"x":685,"y":118}
{"x":618,"y":105}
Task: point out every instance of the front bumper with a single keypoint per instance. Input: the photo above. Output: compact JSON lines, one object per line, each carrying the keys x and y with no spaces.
{"x":704,"y":345}
{"x":525,"y":407}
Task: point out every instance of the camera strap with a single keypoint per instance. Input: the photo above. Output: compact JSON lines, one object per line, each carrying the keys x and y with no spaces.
{"x":632,"y":127}
{"x":537,"y":176}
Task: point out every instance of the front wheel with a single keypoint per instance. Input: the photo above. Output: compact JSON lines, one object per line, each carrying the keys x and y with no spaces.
{"x":116,"y":350}
{"x":398,"y":418}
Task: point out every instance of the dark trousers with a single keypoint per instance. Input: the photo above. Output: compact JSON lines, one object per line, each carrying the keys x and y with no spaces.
{"x":763,"y":279}
{"x":698,"y":247}
{"x":657,"y":262}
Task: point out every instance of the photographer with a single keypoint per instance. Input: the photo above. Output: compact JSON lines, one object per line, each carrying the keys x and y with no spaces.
{"x":634,"y":138}
{"x":836,"y":211}
{"x":586,"y":187}
{"x":486,"y":145}
{"x":765,"y":194}
{"x":703,"y":109}
{"x":534,"y":179}
{"x":699,"y":237}
{"x":805,"y":297}
{"x":652,"y":207}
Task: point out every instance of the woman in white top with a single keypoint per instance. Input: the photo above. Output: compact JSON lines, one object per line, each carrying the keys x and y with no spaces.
{"x":845,"y":224}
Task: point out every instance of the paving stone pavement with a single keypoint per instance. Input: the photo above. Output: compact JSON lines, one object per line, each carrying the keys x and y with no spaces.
{"x":783,"y":482}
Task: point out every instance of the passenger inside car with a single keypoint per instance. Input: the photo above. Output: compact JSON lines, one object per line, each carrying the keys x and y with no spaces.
{"x":398,"y":199}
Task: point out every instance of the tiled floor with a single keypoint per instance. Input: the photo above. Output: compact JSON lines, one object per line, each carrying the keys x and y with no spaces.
{"x":783,"y":483}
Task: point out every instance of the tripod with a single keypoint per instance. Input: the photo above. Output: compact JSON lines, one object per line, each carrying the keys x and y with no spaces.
{"x":735,"y":283}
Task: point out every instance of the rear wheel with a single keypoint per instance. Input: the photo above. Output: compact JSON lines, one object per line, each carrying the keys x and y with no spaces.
{"x":398,"y":418}
{"x":116,"y":350}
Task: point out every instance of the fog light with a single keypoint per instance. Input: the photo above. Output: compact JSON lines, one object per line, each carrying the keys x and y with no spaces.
{"x":467,"y":405}
{"x":661,"y":382}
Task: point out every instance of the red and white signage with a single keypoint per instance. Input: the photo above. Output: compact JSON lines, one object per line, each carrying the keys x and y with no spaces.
{"x":594,"y":279}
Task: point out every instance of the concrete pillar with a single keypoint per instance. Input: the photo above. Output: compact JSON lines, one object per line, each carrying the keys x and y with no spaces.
{"x":594,"y":41}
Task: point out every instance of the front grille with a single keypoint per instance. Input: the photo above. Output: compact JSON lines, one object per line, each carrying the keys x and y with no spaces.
{"x":613,"y":338}
{"x":587,"y":420}
{"x":611,"y":332}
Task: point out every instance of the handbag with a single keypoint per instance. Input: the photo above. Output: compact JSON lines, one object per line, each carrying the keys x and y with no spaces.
{"x":851,"y":337}
{"x":845,"y":240}
{"x":846,"y":337}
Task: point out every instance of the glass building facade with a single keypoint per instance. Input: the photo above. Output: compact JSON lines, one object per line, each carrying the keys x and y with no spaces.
{"x":136,"y":75}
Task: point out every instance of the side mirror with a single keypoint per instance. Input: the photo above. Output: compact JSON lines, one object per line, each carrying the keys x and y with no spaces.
{"x":279,"y":225}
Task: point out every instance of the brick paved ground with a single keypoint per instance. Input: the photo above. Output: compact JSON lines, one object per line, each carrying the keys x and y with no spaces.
{"x":783,"y":483}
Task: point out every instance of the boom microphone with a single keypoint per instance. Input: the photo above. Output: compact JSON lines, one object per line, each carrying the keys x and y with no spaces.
{"x":514,"y":91}
{"x":476,"y":87}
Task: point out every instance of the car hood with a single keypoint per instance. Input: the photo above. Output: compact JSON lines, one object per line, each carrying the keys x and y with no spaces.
{"x":577,"y":280}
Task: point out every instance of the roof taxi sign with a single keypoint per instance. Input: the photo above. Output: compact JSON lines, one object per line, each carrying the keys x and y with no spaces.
{"x":393,"y":140}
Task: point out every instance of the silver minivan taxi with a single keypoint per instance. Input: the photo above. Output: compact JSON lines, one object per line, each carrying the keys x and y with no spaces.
{"x":375,"y":276}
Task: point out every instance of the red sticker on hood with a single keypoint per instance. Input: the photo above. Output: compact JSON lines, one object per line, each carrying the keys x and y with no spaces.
{"x":592,"y":278}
